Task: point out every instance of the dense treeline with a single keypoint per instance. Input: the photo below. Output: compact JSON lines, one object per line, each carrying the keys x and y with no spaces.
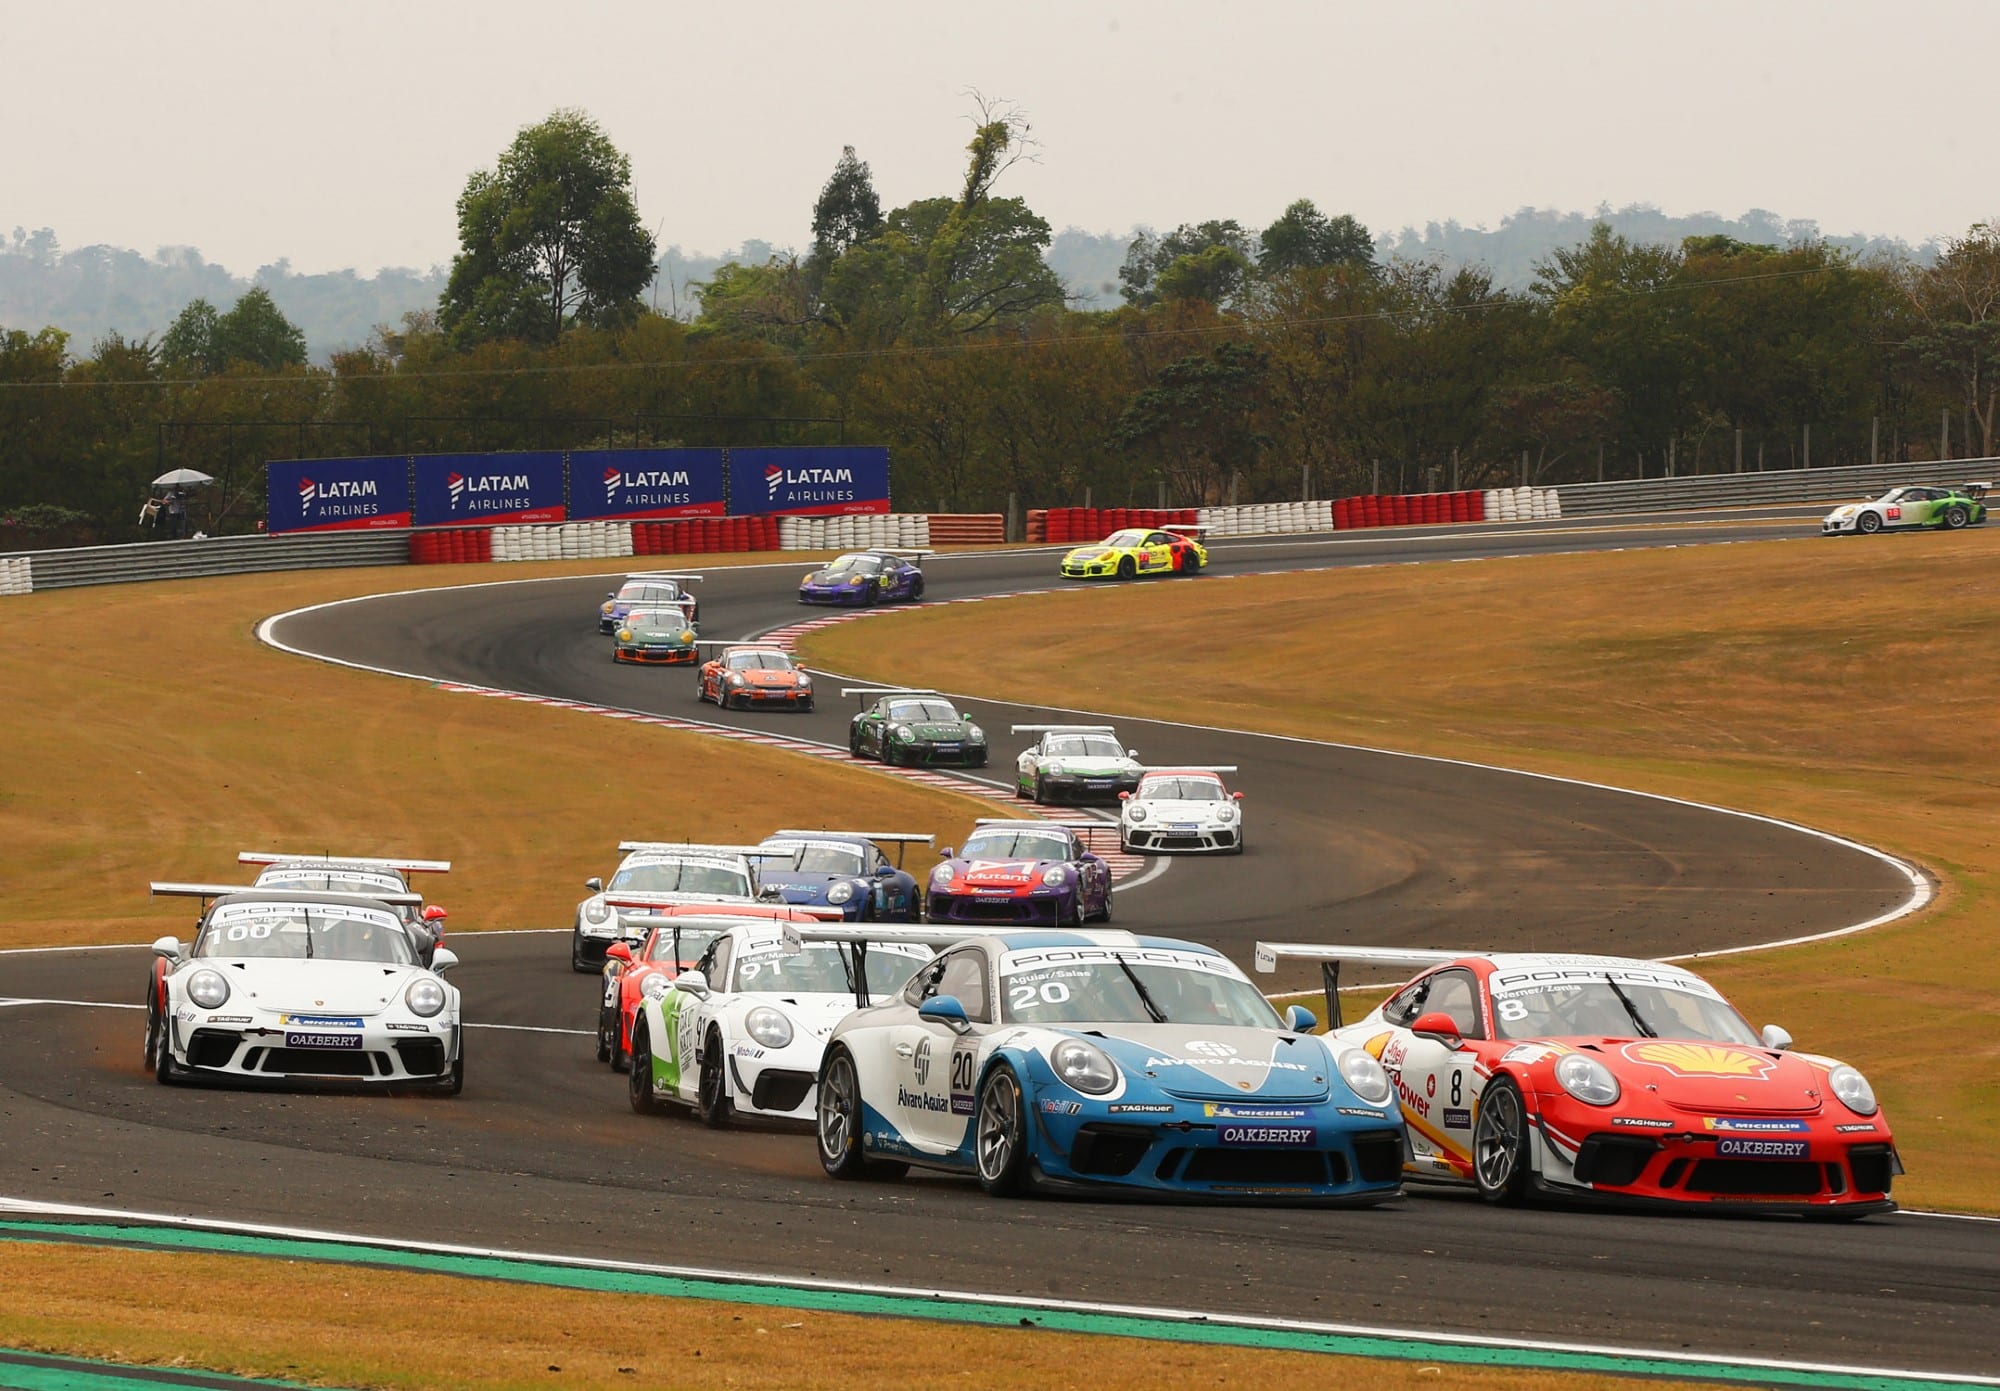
{"x":1243,"y":363}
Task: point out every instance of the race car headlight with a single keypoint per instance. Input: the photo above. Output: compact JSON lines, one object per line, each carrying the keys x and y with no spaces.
{"x":596,"y":911}
{"x":1227,"y":814}
{"x":735,"y":678}
{"x":1586,"y":1079}
{"x":1053,"y":767}
{"x":857,"y":579}
{"x":904,"y":734}
{"x":805,"y":682}
{"x":624,"y":635}
{"x":974,"y":734}
{"x":425,"y":997}
{"x":605,"y":608}
{"x":941,"y":875}
{"x":768,"y":1027}
{"x":1084,"y":1067}
{"x":1368,"y":1078}
{"x":1136,"y":813}
{"x":687,"y":635}
{"x":208,"y":989}
{"x":1853,"y":1090}
{"x":654,"y":987}
{"x":1054,"y":875}
{"x":840,"y":892}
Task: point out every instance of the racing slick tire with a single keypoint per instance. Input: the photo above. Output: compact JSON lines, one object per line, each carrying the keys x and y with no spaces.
{"x":837,"y":1123}
{"x":1190,"y":564}
{"x":1105,"y":915}
{"x":916,"y":589}
{"x":453,"y":1082}
{"x":165,"y":1070}
{"x":620,"y":1059}
{"x":853,"y":742}
{"x":156,"y":1033}
{"x":1126,"y":569}
{"x":1867,"y":524}
{"x":1000,"y":1134}
{"x":1500,"y":1144}
{"x":605,"y":1033}
{"x":1036,"y":792}
{"x":1955,"y":518}
{"x":711,"y":1098}
{"x":639,"y":1082}
{"x":806,"y":705}
{"x":576,"y":961}
{"x":871,"y":595}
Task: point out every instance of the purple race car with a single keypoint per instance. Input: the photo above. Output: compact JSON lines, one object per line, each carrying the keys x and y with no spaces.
{"x":1020,"y":874}
{"x":866,"y":577}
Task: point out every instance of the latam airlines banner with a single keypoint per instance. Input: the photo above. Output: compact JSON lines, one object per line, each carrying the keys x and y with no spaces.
{"x":489,"y":489}
{"x":337,"y":494}
{"x":809,"y":482}
{"x":637,"y":484}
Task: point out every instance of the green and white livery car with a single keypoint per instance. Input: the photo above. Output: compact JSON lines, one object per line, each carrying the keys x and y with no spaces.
{"x":1912,"y":507}
{"x":743,"y":1029}
{"x":1075,"y":763}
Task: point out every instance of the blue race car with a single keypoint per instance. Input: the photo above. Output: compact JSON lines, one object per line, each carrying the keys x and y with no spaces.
{"x":1021,"y":874}
{"x":866,"y":577}
{"x":1104,"y":1060}
{"x":843,"y":870}
{"x":647,"y":589}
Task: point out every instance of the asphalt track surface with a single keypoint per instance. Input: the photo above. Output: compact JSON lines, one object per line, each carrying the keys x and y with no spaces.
{"x":542,"y":1153}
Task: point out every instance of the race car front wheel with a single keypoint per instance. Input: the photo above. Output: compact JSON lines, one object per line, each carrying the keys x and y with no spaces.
{"x":1867,"y":523}
{"x":1001,"y":1139}
{"x":839,"y":1123}
{"x":1500,"y":1144}
{"x":639,"y":1089}
{"x":1127,"y":569}
{"x":711,"y":1103}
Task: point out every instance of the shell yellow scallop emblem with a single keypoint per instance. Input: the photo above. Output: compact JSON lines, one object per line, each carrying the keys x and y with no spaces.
{"x":1699,"y":1059}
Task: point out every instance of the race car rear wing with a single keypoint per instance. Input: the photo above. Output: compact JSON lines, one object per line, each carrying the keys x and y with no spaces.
{"x":1196,"y":527}
{"x":858,"y":937}
{"x":865,"y":691}
{"x":662,"y":575}
{"x":1084,"y":829}
{"x":1169,"y":769}
{"x":166,"y":889}
{"x":1976,"y":491}
{"x":912,"y":556}
{"x":899,"y":839}
{"x":742,"y":646}
{"x":1331,"y":958}
{"x":668,"y":846}
{"x":1062,"y":729}
{"x":272,"y":857}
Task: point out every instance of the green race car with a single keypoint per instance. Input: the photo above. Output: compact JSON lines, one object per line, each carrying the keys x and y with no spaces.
{"x":1076,"y":763}
{"x":914,"y":727}
{"x":661,"y":636}
{"x":1126,"y":555}
{"x":1912,"y":507}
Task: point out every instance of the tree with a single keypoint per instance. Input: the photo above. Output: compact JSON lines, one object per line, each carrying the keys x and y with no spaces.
{"x":548,"y":239}
{"x":847,"y":214}
{"x":1201,"y":420}
{"x":1150,"y":257}
{"x":256,"y":332}
{"x":1304,"y":236}
{"x":1957,"y":306}
{"x":192,"y":341}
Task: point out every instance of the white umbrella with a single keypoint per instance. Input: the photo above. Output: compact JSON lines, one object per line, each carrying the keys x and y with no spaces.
{"x":182,"y":478}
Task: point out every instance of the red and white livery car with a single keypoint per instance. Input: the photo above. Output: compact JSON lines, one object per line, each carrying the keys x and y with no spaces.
{"x":1610,"y":1078}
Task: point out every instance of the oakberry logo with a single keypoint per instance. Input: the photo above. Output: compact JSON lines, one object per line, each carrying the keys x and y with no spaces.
{"x":455,"y":482}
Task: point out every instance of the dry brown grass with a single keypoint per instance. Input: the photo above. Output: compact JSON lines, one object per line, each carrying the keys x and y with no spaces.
{"x":150,"y":736}
{"x":358,"y":1328}
{"x":1848,"y":686}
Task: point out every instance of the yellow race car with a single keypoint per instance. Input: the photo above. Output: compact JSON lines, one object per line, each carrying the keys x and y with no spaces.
{"x":1126,"y":555}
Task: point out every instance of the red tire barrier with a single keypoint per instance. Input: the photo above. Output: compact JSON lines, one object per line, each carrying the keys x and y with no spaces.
{"x":968,"y":528}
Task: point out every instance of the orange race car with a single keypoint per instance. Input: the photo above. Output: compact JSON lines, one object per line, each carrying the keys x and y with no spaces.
{"x":751,"y":675}
{"x":680,"y":933}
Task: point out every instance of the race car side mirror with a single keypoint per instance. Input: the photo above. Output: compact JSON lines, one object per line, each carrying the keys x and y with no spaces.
{"x":1300,"y":1020}
{"x":1775,"y":1038}
{"x":1236,"y":796}
{"x":1131,"y":753}
{"x":435,"y":914}
{"x":442,"y":960}
{"x":594,"y":884}
{"x":693,"y":983}
{"x":168,"y":948}
{"x":885,"y":872}
{"x":1437,"y":1027}
{"x":945,"y":853}
{"x":1124,"y":796}
{"x":947,"y":1010}
{"x":618,"y":951}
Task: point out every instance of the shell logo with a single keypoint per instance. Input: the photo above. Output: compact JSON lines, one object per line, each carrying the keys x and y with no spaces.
{"x":1699,"y":1059}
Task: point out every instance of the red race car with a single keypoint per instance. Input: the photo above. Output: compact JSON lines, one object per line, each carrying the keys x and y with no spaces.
{"x":753,"y":676}
{"x":1605,"y":1077}
{"x":680,"y":933}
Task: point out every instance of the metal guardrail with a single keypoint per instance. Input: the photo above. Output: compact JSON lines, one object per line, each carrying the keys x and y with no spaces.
{"x":1773,"y":486}
{"x":220,"y":555}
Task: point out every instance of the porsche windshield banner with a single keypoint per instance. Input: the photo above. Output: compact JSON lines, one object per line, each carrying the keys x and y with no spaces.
{"x":809,"y":482}
{"x":489,"y":489}
{"x":338,"y":494}
{"x":643,"y":484}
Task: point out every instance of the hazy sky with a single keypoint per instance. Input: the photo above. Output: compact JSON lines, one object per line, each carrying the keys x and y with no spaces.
{"x":340,"y":134}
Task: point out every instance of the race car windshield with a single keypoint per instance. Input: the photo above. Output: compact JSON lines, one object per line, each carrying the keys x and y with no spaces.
{"x":1015,"y":845}
{"x":1181,"y":790}
{"x":1083,"y":746}
{"x":1127,"y":538}
{"x":649,"y":593}
{"x":856,"y":565}
{"x":827,"y":968}
{"x":1896,"y":494}
{"x":1110,"y":993}
{"x":681,"y":877}
{"x":820,"y":857}
{"x":925,"y":711}
{"x":757,"y":661}
{"x":1593,"y":1009}
{"x":657,"y":618}
{"x":297,"y":932}
{"x":693,"y":941}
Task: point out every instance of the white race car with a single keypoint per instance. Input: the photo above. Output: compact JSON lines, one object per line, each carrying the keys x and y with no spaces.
{"x":1075,"y":763}
{"x":298,"y":984}
{"x":743,"y":1030}
{"x":1913,"y":507}
{"x":672,"y":871}
{"x":354,"y":874}
{"x":1181,"y":809}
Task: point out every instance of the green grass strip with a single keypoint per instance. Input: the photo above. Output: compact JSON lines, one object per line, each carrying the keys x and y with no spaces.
{"x":988,"y":1313}
{"x":34,"y":1371}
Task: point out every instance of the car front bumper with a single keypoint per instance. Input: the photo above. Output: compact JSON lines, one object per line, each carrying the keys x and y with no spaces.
{"x":1027,"y":910}
{"x":1084,"y":791}
{"x":842,"y":594}
{"x":657,"y":656}
{"x":1159,"y":839}
{"x":383,"y":1050}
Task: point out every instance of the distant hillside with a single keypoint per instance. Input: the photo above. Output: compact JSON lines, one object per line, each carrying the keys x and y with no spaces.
{"x":98,"y":290}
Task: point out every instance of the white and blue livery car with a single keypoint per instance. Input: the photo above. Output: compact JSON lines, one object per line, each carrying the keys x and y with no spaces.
{"x":1102,"y":1060}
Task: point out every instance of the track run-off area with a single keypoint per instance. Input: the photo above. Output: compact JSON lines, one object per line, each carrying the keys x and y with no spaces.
{"x":542,"y":1155}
